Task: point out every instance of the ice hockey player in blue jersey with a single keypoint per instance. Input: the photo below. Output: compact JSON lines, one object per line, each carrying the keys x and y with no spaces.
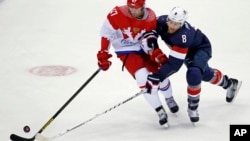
{"x":191,"y":47}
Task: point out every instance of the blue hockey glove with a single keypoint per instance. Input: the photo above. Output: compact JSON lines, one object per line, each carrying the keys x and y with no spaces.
{"x":153,"y":83}
{"x":149,"y":41}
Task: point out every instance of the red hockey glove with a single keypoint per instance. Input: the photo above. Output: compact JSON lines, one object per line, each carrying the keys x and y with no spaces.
{"x":103,"y":61}
{"x":158,"y":56}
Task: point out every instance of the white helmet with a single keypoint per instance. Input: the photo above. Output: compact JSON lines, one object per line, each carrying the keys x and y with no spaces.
{"x":178,"y":15}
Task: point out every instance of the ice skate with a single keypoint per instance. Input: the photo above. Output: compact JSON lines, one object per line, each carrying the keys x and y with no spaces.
{"x":233,"y":89}
{"x":163,"y":117}
{"x":172,"y":105}
{"x":193,"y":115}
{"x":193,"y":104}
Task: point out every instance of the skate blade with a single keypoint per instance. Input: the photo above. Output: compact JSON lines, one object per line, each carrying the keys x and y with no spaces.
{"x":175,"y":114}
{"x":237,"y":90}
{"x":194,"y":124}
{"x":166,"y":125}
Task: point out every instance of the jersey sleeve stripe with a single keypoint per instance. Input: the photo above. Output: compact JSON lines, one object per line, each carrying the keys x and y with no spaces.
{"x":180,"y":49}
{"x":178,"y":52}
{"x":177,"y":55}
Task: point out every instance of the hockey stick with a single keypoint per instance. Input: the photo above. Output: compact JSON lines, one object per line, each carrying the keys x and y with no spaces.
{"x":15,"y":137}
{"x":97,"y":115}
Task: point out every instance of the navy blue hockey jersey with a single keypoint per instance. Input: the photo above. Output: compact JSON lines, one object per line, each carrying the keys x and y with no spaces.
{"x":184,"y":42}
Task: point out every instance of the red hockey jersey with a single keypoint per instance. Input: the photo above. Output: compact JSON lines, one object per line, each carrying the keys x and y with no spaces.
{"x":124,"y":31}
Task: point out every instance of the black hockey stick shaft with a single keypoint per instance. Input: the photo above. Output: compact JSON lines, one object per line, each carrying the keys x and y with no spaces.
{"x":15,"y":137}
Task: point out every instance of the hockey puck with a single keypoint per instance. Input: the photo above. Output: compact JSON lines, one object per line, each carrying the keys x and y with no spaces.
{"x":26,"y":129}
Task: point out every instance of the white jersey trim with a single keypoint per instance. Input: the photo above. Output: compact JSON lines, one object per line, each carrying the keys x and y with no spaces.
{"x":177,"y":55}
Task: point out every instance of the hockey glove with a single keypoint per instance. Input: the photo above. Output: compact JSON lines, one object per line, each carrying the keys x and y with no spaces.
{"x":149,"y":41}
{"x":103,"y":59}
{"x":153,"y":83}
{"x":158,"y":56}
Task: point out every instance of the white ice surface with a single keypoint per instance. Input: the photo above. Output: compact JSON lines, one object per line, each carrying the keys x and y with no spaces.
{"x":64,"y":32}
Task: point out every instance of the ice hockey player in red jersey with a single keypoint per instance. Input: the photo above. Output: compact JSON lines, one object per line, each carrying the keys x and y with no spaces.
{"x":191,"y":47}
{"x":123,"y":30}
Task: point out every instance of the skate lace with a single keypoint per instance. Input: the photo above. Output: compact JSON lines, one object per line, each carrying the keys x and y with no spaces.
{"x":171,"y":102}
{"x":162,"y":114}
{"x":193,"y":113}
{"x":231,"y":90}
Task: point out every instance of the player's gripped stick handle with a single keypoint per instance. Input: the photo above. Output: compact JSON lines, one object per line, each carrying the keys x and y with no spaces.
{"x":15,"y":137}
